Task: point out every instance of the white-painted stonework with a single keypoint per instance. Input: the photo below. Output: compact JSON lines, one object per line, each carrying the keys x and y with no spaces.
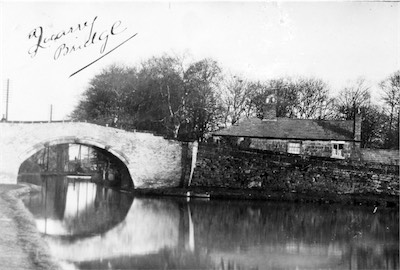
{"x":152,"y":161}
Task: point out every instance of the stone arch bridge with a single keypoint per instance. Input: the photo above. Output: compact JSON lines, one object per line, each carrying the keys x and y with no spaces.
{"x":152,"y":161}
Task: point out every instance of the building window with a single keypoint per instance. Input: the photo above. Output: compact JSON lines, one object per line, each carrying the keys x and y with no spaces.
{"x":294,"y":148}
{"x":337,"y":149}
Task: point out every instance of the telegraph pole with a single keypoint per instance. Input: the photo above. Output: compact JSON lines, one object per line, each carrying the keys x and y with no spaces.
{"x":51,"y":112}
{"x":7,"y":94}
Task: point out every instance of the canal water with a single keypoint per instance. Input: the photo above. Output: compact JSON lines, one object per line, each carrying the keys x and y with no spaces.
{"x":91,"y":227}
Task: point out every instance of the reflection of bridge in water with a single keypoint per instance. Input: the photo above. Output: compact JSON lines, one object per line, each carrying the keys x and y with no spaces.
{"x":149,"y":227}
{"x":72,"y":210}
{"x":152,"y":233}
{"x":86,"y":222}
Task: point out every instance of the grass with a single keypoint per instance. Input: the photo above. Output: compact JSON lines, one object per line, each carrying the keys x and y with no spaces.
{"x":29,"y":238}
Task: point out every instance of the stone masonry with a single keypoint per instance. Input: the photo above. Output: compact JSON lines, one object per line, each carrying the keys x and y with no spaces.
{"x":234,"y":168}
{"x":152,"y":161}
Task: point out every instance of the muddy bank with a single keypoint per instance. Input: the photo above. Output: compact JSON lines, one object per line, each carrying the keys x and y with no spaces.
{"x":35,"y":249}
{"x":254,"y":194}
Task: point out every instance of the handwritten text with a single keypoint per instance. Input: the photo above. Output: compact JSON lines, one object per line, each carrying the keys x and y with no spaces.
{"x":85,"y":35}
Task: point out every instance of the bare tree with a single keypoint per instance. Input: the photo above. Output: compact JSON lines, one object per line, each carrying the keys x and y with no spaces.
{"x":391,"y":97}
{"x":356,"y":98}
{"x":312,"y":98}
{"x":162,"y":84}
{"x":306,"y":98}
{"x":285,"y":96}
{"x":236,"y":99}
{"x":374,"y":122}
{"x":352,"y":98}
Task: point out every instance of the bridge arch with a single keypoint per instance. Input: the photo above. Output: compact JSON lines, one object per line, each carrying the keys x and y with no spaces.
{"x":87,"y":141}
{"x":152,"y":161}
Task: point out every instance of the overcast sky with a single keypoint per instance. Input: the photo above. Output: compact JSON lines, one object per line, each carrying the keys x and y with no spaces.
{"x":334,"y":41}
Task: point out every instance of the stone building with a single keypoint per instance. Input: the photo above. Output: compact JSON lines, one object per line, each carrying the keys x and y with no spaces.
{"x":336,"y":139}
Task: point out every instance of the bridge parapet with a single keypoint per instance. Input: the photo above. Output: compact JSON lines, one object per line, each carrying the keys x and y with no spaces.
{"x":152,"y":161}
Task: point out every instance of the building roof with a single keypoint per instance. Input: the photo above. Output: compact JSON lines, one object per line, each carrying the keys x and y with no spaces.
{"x":286,"y":128}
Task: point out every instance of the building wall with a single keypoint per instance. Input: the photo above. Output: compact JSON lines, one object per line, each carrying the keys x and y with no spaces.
{"x":269,"y":144}
{"x":317,"y":148}
{"x":324,"y":148}
{"x":308,"y":147}
{"x":234,"y":168}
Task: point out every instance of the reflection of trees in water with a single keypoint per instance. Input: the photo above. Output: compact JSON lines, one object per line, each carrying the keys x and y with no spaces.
{"x":373,"y":257}
{"x":252,"y":222}
{"x":95,"y":215}
{"x":230,"y":226}
{"x":108,"y":210}
{"x":51,"y":200}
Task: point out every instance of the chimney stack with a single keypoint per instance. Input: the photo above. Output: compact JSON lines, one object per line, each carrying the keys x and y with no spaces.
{"x":269,"y":109}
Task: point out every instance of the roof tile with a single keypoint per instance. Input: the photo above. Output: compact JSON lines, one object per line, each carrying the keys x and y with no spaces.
{"x":286,"y":128}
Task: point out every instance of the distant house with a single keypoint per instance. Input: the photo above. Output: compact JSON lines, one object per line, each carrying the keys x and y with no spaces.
{"x":324,"y":138}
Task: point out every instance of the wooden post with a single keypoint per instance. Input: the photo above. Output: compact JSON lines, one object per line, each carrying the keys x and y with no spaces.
{"x":45,"y":208}
{"x":51,"y":113}
{"x":7,"y":95}
{"x":48,"y":158}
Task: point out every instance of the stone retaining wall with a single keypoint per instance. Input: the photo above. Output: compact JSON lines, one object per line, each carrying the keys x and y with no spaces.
{"x":386,"y":156}
{"x":234,"y":168}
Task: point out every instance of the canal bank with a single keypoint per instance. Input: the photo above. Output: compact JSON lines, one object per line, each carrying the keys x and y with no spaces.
{"x":21,"y":245}
{"x":373,"y":200}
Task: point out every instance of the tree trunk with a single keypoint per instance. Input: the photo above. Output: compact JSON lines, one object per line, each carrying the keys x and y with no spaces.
{"x":176,"y":130}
